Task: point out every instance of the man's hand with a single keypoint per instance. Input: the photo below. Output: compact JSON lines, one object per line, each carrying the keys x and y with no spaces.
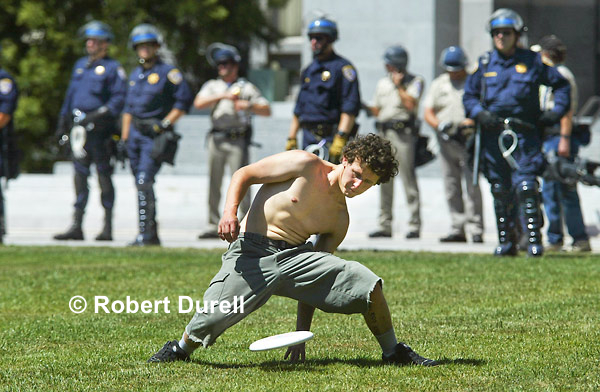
{"x":121,"y":153}
{"x":291,"y":144}
{"x":229,"y":227}
{"x":335,"y":151}
{"x":397,"y":77}
{"x":564,"y":147}
{"x":296,"y":353}
{"x":242,"y":105}
{"x":162,"y":126}
{"x":487,"y":119}
{"x":549,"y":118}
{"x":95,"y":116}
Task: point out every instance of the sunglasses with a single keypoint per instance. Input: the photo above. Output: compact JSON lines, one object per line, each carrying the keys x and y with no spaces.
{"x":505,"y":32}
{"x":317,"y":38}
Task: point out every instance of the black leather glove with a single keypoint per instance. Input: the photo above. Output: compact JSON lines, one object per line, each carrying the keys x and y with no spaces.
{"x":62,"y":130}
{"x":488,"y":119}
{"x":121,"y":151}
{"x":95,"y":116}
{"x":161,"y":126}
{"x":549,"y":118}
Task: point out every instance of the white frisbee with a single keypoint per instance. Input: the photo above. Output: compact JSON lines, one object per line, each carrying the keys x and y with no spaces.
{"x":282,"y":340}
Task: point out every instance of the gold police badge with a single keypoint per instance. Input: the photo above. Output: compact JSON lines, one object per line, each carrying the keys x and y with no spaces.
{"x":325,"y":76}
{"x":521,"y":68}
{"x":99,"y":70}
{"x":306,"y":79}
{"x":153,"y":78}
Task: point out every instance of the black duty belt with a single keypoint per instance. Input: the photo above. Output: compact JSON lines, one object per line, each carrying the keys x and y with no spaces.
{"x":231,"y":133}
{"x":146,"y":126}
{"x":406,"y":126}
{"x":261,"y":239}
{"x":319,"y":129}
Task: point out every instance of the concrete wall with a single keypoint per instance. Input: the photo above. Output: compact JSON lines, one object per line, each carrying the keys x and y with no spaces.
{"x":366,"y":29}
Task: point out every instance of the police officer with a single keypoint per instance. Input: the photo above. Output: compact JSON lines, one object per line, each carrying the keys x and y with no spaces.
{"x":506,"y":84}
{"x":9,"y":96}
{"x":94,"y":100}
{"x":329,"y":98}
{"x":444,"y":112}
{"x":232,"y":101}
{"x":396,"y":104}
{"x":156,"y":98}
{"x":561,"y":199}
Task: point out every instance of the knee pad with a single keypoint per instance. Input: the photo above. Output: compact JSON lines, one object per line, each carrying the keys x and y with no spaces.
{"x":142,"y":183}
{"x":528,"y":188}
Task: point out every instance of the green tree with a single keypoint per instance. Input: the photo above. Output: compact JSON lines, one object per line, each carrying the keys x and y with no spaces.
{"x":40,"y":45}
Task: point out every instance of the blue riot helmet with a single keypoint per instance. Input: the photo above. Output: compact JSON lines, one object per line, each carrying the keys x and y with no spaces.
{"x":219,"y":53}
{"x":453,"y":59}
{"x":143,"y":33}
{"x":96,"y":29}
{"x":503,"y":18}
{"x":323,"y":26}
{"x":397,"y":57}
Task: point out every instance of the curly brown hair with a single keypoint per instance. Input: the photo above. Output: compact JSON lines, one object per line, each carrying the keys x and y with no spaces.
{"x":376,"y":152}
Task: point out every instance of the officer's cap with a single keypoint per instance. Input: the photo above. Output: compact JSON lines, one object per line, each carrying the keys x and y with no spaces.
{"x":143,"y":33}
{"x":397,"y":57}
{"x":323,"y":26}
{"x":505,"y":18}
{"x":218,"y":53}
{"x":96,"y":29}
{"x":453,"y":59}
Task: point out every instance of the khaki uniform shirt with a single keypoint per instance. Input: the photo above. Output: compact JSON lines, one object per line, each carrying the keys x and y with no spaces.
{"x":388,"y":100}
{"x":547,"y":97}
{"x":445,"y":98}
{"x":224,"y":115}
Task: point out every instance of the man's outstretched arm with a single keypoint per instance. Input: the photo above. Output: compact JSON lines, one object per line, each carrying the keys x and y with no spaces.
{"x":275,"y":168}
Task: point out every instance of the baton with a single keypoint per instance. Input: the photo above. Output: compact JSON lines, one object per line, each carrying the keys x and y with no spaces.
{"x":476,"y":157}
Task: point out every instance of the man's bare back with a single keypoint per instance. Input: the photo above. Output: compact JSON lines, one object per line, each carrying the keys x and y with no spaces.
{"x":301,"y":195}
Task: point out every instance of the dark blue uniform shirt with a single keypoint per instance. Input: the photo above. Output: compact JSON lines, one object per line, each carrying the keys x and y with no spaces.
{"x":100,"y":83}
{"x":328,"y":89}
{"x":512,"y":86}
{"x":154,"y":92}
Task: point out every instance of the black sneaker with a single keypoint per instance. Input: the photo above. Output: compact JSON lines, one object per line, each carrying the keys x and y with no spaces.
{"x":405,"y":355}
{"x":170,"y":352}
{"x":380,"y":234}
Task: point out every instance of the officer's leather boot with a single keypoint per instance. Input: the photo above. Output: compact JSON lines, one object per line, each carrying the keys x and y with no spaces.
{"x":74,"y":232}
{"x":529,"y":203}
{"x":106,"y":233}
{"x":147,"y":225}
{"x":504,"y":209}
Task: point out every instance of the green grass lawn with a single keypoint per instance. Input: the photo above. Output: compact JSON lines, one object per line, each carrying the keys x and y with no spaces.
{"x":497,"y":325}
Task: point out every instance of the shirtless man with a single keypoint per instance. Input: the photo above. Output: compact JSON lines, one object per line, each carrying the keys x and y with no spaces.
{"x":301,"y":195}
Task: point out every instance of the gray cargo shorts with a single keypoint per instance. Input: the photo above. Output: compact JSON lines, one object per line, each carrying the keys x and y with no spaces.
{"x":255,"y":267}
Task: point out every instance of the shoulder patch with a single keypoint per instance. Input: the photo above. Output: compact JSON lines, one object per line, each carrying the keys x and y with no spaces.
{"x":175,"y":76}
{"x":349,"y":73}
{"x":121,"y":72}
{"x":418,"y":84}
{"x":6,"y":86}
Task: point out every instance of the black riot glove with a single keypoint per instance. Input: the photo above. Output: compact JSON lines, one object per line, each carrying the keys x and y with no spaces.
{"x":96,"y":117}
{"x":549,"y":118}
{"x":161,"y":126}
{"x":121,"y":151}
{"x":487,"y":119}
{"x":62,"y":130}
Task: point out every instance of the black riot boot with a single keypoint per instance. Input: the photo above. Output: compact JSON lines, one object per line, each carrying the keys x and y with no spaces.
{"x":529,"y":203}
{"x":106,"y":233}
{"x":74,"y":232}
{"x":148,"y":233}
{"x":504,"y":208}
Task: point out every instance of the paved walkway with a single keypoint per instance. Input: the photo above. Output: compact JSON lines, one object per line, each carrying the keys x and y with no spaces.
{"x":39,"y":206}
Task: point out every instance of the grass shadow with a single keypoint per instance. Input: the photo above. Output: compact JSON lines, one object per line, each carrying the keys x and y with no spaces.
{"x":319,"y":364}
